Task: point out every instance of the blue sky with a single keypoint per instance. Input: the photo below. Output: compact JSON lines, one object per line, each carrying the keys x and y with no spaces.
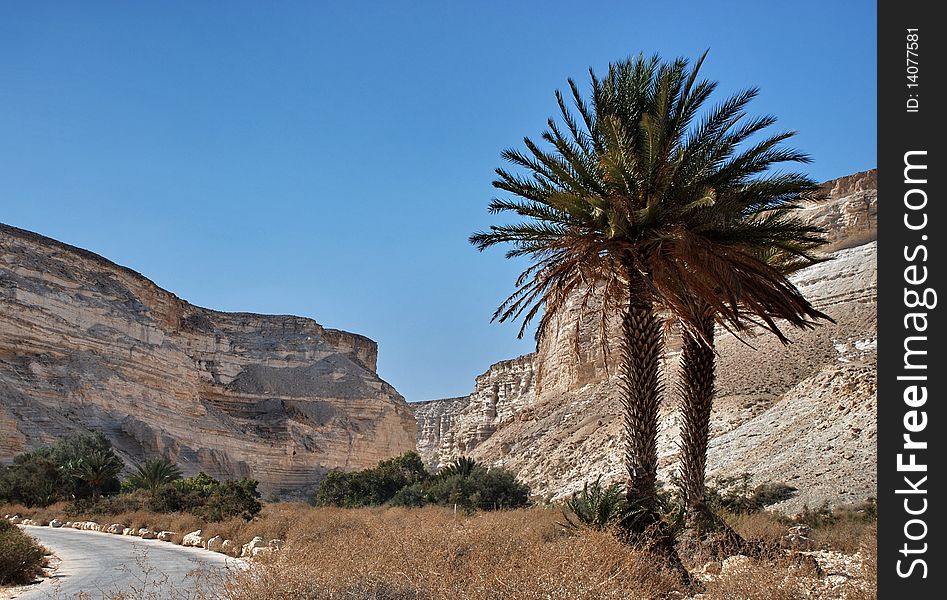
{"x":330,"y":159}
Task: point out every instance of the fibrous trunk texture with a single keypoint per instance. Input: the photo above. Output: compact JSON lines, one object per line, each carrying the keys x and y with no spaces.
{"x":696,"y":390}
{"x":641,"y":390}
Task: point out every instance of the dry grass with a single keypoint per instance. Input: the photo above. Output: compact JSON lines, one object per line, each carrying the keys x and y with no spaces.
{"x":761,"y":581}
{"x":867,"y":587}
{"x":762,"y":527}
{"x":845,"y":535}
{"x":431,"y":554}
{"x":428,"y":554}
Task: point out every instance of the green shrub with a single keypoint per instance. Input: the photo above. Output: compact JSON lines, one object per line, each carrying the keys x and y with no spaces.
{"x":234,"y":498}
{"x":409,"y":496}
{"x":371,"y":487}
{"x":78,"y":466}
{"x":21,"y":558}
{"x":474,"y":487}
{"x":403,"y":481}
{"x":596,"y":506}
{"x":207,"y":498}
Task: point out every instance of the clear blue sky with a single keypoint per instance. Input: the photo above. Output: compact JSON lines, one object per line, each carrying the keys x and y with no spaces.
{"x":330,"y":159}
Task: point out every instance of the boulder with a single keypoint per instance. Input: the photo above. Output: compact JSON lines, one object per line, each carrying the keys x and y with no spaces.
{"x":215,"y":543}
{"x":229,"y":547}
{"x":147,"y":534}
{"x":16,"y":519}
{"x":115,"y":529}
{"x":194,"y":539}
{"x":794,"y":541}
{"x":55,"y":523}
{"x":803,"y":530}
{"x":276,"y":544}
{"x":166,"y":536}
{"x":249,"y":547}
{"x":128,"y":531}
{"x":27,"y":522}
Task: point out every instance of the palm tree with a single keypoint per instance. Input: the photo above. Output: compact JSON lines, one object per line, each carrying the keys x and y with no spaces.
{"x":641,"y":209}
{"x":155,"y":474}
{"x":96,"y":469}
{"x":698,"y":357}
{"x":463,"y":466}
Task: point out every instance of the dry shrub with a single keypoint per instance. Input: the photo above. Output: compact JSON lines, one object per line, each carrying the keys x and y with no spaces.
{"x":866,"y":588}
{"x":429,"y":554}
{"x":16,"y":509}
{"x":761,"y":526}
{"x":844,"y":535}
{"x":759,"y":581}
{"x":21,"y":558}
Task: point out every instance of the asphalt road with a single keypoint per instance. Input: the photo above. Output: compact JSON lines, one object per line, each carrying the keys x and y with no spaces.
{"x":100,"y":564}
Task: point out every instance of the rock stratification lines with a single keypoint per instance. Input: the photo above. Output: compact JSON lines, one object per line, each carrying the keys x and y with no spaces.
{"x":87,"y":344}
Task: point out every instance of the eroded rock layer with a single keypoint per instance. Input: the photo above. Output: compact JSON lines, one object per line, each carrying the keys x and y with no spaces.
{"x":87,"y":344}
{"x":803,"y":414}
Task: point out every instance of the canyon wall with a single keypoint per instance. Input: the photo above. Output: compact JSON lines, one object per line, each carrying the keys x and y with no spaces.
{"x":88,"y":344}
{"x":803,"y":414}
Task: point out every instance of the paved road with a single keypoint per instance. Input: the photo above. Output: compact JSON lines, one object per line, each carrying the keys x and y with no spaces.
{"x":100,"y":563}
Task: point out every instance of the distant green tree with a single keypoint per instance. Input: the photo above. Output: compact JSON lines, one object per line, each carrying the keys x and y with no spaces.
{"x":154,"y":474}
{"x":96,"y":470}
{"x":371,"y":487}
{"x":463,"y":466}
{"x":33,"y":479}
{"x":471,"y":486}
{"x":48,"y":474}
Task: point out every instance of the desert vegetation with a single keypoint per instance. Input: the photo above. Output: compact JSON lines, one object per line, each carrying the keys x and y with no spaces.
{"x":404,"y":481}
{"x":75,"y":467}
{"x":79,"y":475}
{"x":21,"y":558}
{"x":434,"y":552}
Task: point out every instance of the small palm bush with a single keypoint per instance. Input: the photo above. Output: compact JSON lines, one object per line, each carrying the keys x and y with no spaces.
{"x":596,"y":506}
{"x":154,"y":474}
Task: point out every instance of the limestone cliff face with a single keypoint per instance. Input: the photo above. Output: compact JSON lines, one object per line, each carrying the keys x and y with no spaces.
{"x":87,"y":344}
{"x":803,"y":414}
{"x":455,"y":427}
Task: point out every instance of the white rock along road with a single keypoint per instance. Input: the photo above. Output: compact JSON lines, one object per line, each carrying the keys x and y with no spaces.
{"x":100,"y":564}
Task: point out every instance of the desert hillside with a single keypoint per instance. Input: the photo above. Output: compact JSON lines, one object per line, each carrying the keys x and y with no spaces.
{"x":803,"y":414}
{"x":87,"y":344}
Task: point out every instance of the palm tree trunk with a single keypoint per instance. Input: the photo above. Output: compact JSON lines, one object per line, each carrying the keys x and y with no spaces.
{"x":696,"y":389}
{"x":641,"y":390}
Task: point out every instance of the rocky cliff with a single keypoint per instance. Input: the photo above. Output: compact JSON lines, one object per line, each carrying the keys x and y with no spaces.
{"x":456,"y":426}
{"x":803,"y":414}
{"x":87,"y":344}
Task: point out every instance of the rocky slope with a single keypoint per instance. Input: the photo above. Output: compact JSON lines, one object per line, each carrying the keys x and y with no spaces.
{"x":87,"y":344}
{"x":802,"y":414}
